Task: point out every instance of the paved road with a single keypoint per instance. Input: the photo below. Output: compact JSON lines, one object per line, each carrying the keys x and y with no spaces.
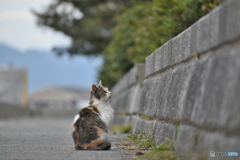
{"x":47,"y":139}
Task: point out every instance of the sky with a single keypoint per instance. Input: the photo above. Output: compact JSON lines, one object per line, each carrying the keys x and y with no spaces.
{"x":18,"y":26}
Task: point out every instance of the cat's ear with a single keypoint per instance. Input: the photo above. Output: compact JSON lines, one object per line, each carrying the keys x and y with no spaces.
{"x":99,"y":84}
{"x":94,"y":88}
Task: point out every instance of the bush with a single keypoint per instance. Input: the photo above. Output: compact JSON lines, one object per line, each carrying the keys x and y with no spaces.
{"x":146,"y":26}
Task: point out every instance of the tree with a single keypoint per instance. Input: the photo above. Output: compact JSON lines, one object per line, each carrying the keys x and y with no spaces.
{"x":87,"y":22}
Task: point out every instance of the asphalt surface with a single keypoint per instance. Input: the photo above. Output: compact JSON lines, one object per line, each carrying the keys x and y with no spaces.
{"x":48,"y":139}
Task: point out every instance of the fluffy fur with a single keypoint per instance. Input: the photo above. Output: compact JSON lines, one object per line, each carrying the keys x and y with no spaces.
{"x":90,"y":126}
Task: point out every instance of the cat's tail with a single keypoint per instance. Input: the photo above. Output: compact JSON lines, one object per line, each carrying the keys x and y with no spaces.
{"x":103,"y":146}
{"x":101,"y":143}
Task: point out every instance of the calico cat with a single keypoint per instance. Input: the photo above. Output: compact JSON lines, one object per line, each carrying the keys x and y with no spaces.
{"x":90,"y":126}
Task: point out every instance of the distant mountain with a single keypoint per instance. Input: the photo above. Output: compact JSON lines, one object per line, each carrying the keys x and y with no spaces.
{"x":47,"y":69}
{"x":6,"y":49}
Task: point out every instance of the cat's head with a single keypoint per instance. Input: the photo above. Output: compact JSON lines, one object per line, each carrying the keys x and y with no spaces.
{"x":99,"y":93}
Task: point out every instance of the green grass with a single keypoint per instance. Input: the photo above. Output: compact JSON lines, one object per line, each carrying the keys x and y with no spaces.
{"x":197,"y":55}
{"x":142,"y":145}
{"x":176,"y":129}
{"x":144,"y":116}
{"x":122,"y":113}
{"x":145,"y":141}
{"x":141,"y":140}
{"x":121,"y":128}
{"x":163,"y":151}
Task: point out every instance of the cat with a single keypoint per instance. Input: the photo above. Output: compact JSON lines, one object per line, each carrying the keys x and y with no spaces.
{"x":91,"y":125}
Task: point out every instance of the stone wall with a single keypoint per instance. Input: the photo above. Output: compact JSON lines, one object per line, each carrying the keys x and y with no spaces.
{"x":126,"y":94}
{"x":191,"y":87}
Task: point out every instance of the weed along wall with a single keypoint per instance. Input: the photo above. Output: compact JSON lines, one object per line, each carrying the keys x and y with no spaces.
{"x":190,"y":91}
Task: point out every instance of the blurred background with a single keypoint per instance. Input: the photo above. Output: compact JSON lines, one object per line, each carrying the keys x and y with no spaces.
{"x":52,"y":51}
{"x":31,"y":74}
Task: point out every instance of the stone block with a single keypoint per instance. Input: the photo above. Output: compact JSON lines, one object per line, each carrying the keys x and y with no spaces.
{"x":208,"y":31}
{"x":164,"y":131}
{"x":218,"y":105}
{"x":162,"y":94}
{"x":192,"y":88}
{"x":176,"y":91}
{"x":171,"y":53}
{"x":184,"y":52}
{"x":154,"y":94}
{"x":229,"y":22}
{"x":193,"y":38}
{"x":161,"y":130}
{"x":134,"y":76}
{"x":127,"y":101}
{"x":198,"y":143}
{"x":149,"y":64}
{"x":121,"y":120}
{"x":134,"y":104}
{"x":134,"y":121}
{"x":158,"y":59}
{"x":127,"y":91}
{"x":121,"y":101}
{"x":176,"y":49}
{"x":186,"y":142}
{"x":233,"y":23}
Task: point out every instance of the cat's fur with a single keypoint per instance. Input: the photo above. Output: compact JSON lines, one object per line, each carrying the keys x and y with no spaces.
{"x":90,"y":126}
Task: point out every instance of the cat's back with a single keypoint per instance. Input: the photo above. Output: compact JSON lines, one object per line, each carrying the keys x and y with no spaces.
{"x":91,"y":117}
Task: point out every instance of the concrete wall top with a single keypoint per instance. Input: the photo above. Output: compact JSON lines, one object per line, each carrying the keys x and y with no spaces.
{"x":135,"y":75}
{"x":219,"y":26}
